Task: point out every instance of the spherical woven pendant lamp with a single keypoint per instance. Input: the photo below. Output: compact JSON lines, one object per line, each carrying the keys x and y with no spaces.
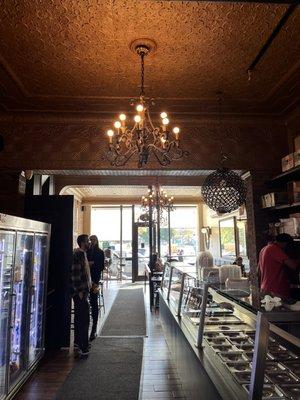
{"x":224,"y":191}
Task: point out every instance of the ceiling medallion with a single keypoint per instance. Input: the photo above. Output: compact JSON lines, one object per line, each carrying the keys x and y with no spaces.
{"x":143,"y":138}
{"x":157,"y":201}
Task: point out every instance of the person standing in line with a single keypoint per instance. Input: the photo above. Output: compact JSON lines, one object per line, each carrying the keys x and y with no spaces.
{"x":81,"y":284}
{"x":96,"y":260}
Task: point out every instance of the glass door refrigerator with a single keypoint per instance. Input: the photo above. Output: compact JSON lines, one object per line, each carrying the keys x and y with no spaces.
{"x":19,"y":306}
{"x":24,"y":248}
{"x":37,"y":300}
{"x":7,"y":245}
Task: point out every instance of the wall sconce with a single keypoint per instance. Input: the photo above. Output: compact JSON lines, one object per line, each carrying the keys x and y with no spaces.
{"x":206,"y":230}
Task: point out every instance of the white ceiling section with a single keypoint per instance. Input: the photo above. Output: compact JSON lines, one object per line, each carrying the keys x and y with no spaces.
{"x":109,"y":191}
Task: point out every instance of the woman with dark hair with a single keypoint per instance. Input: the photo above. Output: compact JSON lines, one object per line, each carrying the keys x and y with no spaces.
{"x":239,"y":261}
{"x":96,"y":259}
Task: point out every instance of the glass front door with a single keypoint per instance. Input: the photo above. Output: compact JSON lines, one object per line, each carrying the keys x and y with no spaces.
{"x":7,"y":242}
{"x":22,"y":270}
{"x":140,"y":249}
{"x":37,"y":298}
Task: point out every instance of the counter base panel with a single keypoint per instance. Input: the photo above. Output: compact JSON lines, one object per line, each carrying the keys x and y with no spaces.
{"x":193,"y":376}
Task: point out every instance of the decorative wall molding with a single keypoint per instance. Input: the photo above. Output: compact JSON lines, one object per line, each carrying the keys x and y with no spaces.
{"x":84,"y":146}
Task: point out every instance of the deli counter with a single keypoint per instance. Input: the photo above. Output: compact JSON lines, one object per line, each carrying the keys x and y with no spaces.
{"x":225,"y":347}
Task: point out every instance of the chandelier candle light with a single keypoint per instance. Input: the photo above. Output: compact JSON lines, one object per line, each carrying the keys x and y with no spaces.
{"x":144,"y":137}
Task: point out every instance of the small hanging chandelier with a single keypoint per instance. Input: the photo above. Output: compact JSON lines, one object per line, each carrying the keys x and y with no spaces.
{"x":224,"y":190}
{"x":144,"y":137}
{"x":158,"y":201}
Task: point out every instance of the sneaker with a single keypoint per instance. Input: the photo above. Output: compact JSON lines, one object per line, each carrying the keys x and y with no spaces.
{"x":84,"y":353}
{"x":93,"y":336}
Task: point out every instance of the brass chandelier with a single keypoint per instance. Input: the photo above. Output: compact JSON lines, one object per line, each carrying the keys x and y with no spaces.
{"x":143,"y":138}
{"x":157,"y":197}
{"x":156,"y":203}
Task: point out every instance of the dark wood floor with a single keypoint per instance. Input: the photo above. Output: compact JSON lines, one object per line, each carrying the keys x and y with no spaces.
{"x":159,"y":379}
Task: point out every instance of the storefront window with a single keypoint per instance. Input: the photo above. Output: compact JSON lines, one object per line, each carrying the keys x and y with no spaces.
{"x":184,"y":233}
{"x":227,"y":237}
{"x":106,"y":224}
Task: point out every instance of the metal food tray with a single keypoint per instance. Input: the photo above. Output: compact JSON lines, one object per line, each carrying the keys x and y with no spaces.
{"x":236,"y":335}
{"x":225,"y":328}
{"x":223,"y":347}
{"x":294,"y":366}
{"x":218,"y":311}
{"x":284,"y":356}
{"x":249,"y":354}
{"x":245,"y":377}
{"x":239,"y":341}
{"x":213,"y":334}
{"x":283,"y":377}
{"x":249,"y":348}
{"x":235,"y":367}
{"x":291,"y":391}
{"x":218,"y":341}
{"x":233,"y":356}
{"x":273,"y":366}
{"x":272,"y":392}
{"x":232,"y":319}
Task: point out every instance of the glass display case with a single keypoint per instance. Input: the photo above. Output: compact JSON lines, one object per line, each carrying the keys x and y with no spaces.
{"x":24,"y":246}
{"x":246,"y":354}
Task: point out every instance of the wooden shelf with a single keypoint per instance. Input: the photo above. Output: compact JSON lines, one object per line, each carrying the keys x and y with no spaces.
{"x":291,"y":173}
{"x":283,"y":206}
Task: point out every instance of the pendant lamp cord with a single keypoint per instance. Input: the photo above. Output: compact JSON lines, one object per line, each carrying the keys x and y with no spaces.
{"x":224,"y":157}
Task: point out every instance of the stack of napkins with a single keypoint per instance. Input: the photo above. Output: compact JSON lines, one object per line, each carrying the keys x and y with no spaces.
{"x":269,"y":302}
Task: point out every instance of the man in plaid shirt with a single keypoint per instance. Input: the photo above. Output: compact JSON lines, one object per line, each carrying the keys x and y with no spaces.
{"x":80,"y":286}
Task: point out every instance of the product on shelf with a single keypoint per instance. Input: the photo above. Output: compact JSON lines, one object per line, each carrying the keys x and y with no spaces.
{"x":287,"y":162}
{"x":274,"y":199}
{"x":297,"y":158}
{"x":290,"y":226}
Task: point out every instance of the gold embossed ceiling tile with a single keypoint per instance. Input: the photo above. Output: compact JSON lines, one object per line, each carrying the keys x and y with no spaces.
{"x":80,"y":49}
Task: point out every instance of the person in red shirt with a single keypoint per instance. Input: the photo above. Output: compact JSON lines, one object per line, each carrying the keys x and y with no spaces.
{"x":274,"y":266}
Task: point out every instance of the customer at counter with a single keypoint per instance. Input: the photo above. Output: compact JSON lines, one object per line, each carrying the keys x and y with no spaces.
{"x":275,"y":267}
{"x":239,"y":261}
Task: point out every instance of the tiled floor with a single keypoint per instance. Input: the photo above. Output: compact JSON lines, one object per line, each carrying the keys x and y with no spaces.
{"x":159,"y":379}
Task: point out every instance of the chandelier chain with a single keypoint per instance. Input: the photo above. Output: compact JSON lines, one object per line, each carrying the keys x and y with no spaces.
{"x":142,"y":74}
{"x":224,"y":157}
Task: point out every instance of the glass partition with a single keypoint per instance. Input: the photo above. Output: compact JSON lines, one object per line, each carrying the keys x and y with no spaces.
{"x":166,"y":277}
{"x":175,"y":287}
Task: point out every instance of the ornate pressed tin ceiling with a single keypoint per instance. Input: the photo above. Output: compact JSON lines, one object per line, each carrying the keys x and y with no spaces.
{"x":73,"y":55}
